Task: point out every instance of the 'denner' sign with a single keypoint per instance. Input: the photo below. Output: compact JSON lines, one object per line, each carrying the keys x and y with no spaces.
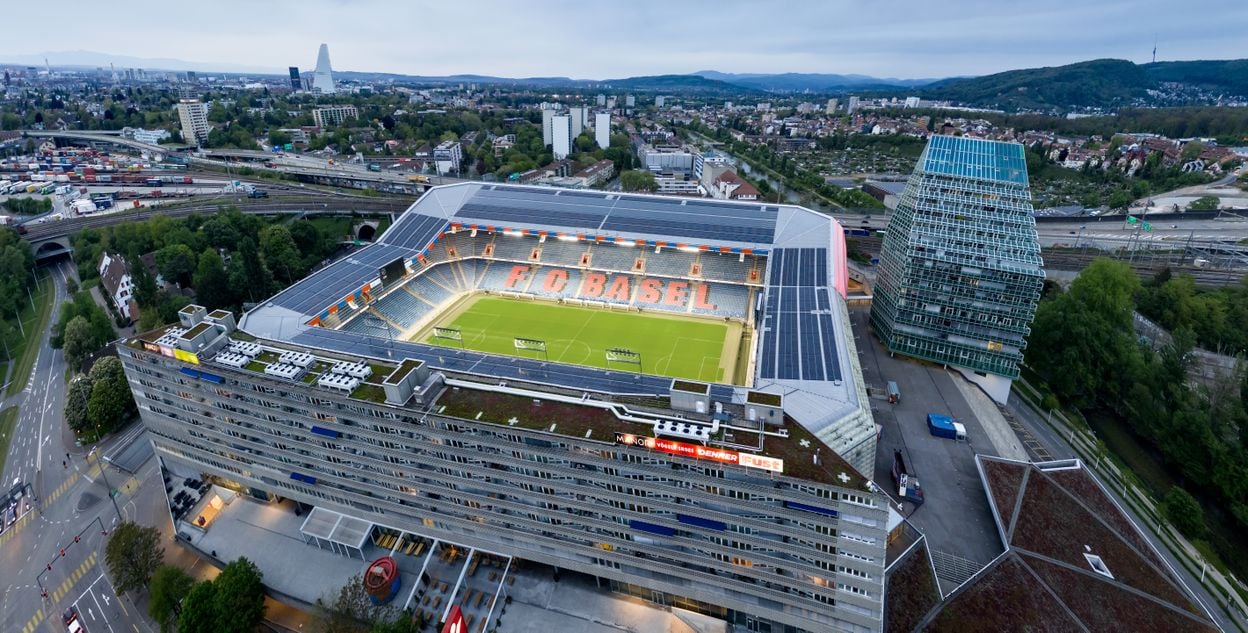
{"x":698,"y":451}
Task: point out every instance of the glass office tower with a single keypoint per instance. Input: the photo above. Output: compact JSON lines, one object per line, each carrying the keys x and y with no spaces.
{"x":960,"y":270}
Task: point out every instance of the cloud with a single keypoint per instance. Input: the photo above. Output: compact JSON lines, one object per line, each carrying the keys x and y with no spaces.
{"x":905,"y":39}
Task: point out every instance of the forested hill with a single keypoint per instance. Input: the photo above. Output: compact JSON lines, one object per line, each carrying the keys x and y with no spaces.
{"x":1100,"y":83}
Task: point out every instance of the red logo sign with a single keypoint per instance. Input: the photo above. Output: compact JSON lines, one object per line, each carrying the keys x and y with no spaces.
{"x":455,"y":622}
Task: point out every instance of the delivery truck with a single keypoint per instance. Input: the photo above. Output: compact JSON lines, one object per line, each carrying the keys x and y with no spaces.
{"x":908,"y":487}
{"x":944,"y":426}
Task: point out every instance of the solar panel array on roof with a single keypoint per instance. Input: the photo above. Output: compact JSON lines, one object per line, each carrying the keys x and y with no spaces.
{"x":627,"y":215}
{"x":799,"y":337}
{"x":339,"y":279}
{"x":413,"y":230}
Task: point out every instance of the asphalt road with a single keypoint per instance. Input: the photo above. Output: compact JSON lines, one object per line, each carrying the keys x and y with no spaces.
{"x":70,"y":499}
{"x":955,"y":516}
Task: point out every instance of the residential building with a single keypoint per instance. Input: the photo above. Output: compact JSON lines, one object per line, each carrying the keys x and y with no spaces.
{"x":659,"y":100}
{"x":912,"y":102}
{"x":503,"y":143}
{"x":118,"y":286}
{"x":561,"y":135}
{"x":602,"y":129}
{"x":548,"y":134}
{"x":323,"y":76}
{"x":666,"y":158}
{"x":600,"y":100}
{"x":448,"y":155}
{"x":329,"y":116}
{"x":960,"y":271}
{"x":851,"y":105}
{"x":727,"y":185}
{"x":193,"y":114}
{"x":596,"y":174}
{"x":578,"y":116}
{"x":831,"y":109}
{"x":296,"y":83}
{"x":630,"y":101}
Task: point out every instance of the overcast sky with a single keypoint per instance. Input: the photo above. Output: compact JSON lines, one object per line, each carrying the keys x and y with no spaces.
{"x":620,"y":38}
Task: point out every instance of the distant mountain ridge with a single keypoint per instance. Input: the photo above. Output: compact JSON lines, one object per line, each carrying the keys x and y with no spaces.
{"x":810,"y":82}
{"x":1099,"y":83}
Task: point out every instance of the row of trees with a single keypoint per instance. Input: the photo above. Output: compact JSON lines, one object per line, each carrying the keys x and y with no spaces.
{"x":17,"y":264}
{"x":228,"y":258}
{"x":1216,"y":317}
{"x":233,"y":602}
{"x":28,"y":206}
{"x":99,"y":401}
{"x":1083,"y":344}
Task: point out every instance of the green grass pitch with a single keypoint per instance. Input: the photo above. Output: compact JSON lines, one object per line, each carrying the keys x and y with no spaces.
{"x":669,"y":346}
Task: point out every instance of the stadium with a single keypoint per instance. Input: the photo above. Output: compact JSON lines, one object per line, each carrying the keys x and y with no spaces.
{"x":660,"y":394}
{"x":601,"y":291}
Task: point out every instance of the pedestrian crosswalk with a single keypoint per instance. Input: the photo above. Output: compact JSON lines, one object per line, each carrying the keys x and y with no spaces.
{"x":16,"y":527}
{"x":61,"y":489}
{"x":61,"y":591}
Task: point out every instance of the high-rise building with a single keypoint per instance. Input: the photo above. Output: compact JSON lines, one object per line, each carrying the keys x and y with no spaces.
{"x":548,"y":116}
{"x":561,"y":135}
{"x":601,"y":100}
{"x":831,"y":107}
{"x":326,"y":116}
{"x":602,"y":129}
{"x":448,"y":155}
{"x":323,"y":76}
{"x":960,"y":271}
{"x":744,"y":502}
{"x":659,"y":101}
{"x":852,"y":105}
{"x":630,"y":101}
{"x":579,"y":115}
{"x":295,"y":83}
{"x":193,"y":115}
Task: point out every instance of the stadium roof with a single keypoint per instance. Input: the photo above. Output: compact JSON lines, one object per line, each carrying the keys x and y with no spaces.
{"x":803,"y":337}
{"x":1073,"y":561}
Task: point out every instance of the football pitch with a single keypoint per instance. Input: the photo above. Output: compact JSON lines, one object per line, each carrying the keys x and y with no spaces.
{"x":676,"y":346}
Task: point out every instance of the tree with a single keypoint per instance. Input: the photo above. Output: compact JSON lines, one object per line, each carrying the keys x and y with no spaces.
{"x":1083,"y":341}
{"x":76,"y":400}
{"x":1204,"y":203}
{"x":133,"y":553}
{"x":144,"y":284}
{"x":351,"y":611}
{"x":111,"y":401}
{"x":199,"y":613}
{"x":278,"y":138}
{"x":212,"y":284}
{"x":280,"y":253}
{"x":1191,"y":150}
{"x":638,"y":180}
{"x":79,"y":341}
{"x":169,"y":586}
{"x":239,"y":600}
{"x":176,"y":263}
{"x":1184,"y":512}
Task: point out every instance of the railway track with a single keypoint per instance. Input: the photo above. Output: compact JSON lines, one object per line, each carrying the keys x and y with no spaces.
{"x":1146,"y":266}
{"x":259,"y":206}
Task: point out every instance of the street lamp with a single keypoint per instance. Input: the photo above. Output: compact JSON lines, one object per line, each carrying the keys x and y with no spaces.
{"x":108,"y":486}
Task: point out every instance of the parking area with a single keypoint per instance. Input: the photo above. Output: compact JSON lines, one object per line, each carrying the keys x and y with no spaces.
{"x":955,"y":514}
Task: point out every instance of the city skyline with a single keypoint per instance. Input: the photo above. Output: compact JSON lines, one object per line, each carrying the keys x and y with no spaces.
{"x":968,"y":38}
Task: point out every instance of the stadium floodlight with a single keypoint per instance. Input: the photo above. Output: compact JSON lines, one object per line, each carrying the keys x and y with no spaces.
{"x":449,"y":333}
{"x":621,"y":355}
{"x":531,"y":345}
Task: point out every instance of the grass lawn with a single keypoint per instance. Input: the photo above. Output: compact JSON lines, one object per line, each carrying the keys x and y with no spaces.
{"x":8,"y":420}
{"x":35,"y":321}
{"x":669,"y":346}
